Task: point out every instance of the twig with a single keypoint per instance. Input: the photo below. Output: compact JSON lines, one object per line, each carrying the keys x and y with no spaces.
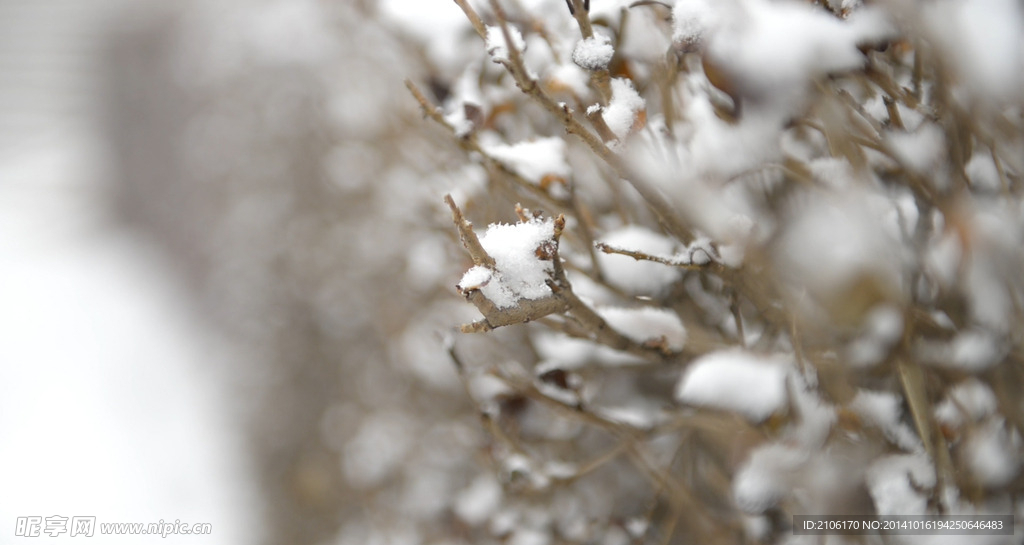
{"x":655,"y":199}
{"x":912,"y":380}
{"x":525,"y":310}
{"x":469,"y":238}
{"x":712,"y":266}
{"x":734,"y":306}
{"x":474,"y":19}
{"x":593,"y":323}
{"x":469,"y":143}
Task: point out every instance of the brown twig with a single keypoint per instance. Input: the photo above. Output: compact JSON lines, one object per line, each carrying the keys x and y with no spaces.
{"x":469,"y":143}
{"x":474,"y":19}
{"x":712,"y":265}
{"x":469,"y":238}
{"x":666,"y":213}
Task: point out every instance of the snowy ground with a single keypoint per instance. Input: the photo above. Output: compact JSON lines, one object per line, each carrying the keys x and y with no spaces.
{"x":113,"y":401}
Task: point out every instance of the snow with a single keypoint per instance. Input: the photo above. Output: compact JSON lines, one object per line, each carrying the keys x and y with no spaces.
{"x":982,"y":172}
{"x":519,"y":273}
{"x":692,"y":20}
{"x":574,"y":353}
{"x":634,"y":276}
{"x":992,"y":454}
{"x":637,"y":527}
{"x":942,"y":258}
{"x":516,"y":467}
{"x":966,"y":35}
{"x":883,"y":410}
{"x":557,"y":393}
{"x":883,"y":328}
{"x":636,"y":417}
{"x":838,"y":250}
{"x":971,"y":400}
{"x":698,"y":252}
{"x":377,"y":450}
{"x":593,"y":53}
{"x":475,"y":278}
{"x":621,"y":113}
{"x":496,"y":45}
{"x":569,"y":77}
{"x":972,"y":351}
{"x":896,"y":483}
{"x":111,"y":403}
{"x":439,"y":29}
{"x":764,"y":478}
{"x":529,"y":536}
{"x":533,"y":159}
{"x":486,"y":388}
{"x":647,"y":324}
{"x":479,"y":500}
{"x":773,"y":49}
{"x":751,"y":384}
{"x":636,"y":40}
{"x":462,"y":125}
{"x":975,"y":350}
{"x":920,"y":150}
{"x":816,"y":417}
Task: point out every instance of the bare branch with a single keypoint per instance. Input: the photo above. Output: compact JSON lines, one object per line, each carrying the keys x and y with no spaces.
{"x":469,"y":239}
{"x":474,"y":19}
{"x":666,"y":213}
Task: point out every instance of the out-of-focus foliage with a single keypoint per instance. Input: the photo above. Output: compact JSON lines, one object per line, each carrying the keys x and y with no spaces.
{"x":783,"y":275}
{"x":769,"y":253}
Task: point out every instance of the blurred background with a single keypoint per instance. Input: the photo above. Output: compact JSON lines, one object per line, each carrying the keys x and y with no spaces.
{"x":225,"y":271}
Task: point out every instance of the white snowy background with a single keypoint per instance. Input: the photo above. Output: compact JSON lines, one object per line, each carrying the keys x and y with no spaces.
{"x":114,"y":399}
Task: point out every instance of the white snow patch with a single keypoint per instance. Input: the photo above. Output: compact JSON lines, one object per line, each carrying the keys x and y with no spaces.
{"x":626,"y":104}
{"x":486,"y":388}
{"x":735,"y":380}
{"x":593,"y":53}
{"x":836,"y":245}
{"x":637,"y":417}
{"x":475,"y":278}
{"x":993,"y":454}
{"x":815,"y":417}
{"x":519,"y":273}
{"x":692,"y":20}
{"x":496,"y":45}
{"x":895,"y":483}
{"x":377,"y":450}
{"x":570,"y":76}
{"x":529,"y":536}
{"x":479,"y":500}
{"x":942,"y":258}
{"x":967,"y":35}
{"x":764,"y":479}
{"x":884,"y":326}
{"x":982,"y":172}
{"x":698,"y":252}
{"x":972,"y":351}
{"x":972,"y":400}
{"x":573,"y":353}
{"x":774,"y":49}
{"x":647,"y":324}
{"x":920,"y":150}
{"x":883,"y":410}
{"x":533,"y":159}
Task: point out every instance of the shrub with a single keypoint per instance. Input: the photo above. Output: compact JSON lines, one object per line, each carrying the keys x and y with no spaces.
{"x":765,"y":261}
